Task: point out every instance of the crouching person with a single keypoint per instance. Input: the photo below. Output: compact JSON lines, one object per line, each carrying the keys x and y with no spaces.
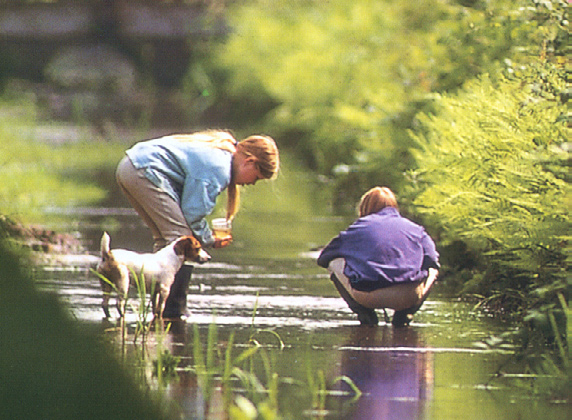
{"x":383,"y":260}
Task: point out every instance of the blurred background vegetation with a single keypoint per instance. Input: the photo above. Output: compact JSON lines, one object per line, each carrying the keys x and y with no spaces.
{"x":460,"y":106}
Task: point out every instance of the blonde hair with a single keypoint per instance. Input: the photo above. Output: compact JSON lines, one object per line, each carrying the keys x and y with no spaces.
{"x":216,"y":139}
{"x":375,"y":200}
{"x":262,"y":148}
{"x":265,"y":151}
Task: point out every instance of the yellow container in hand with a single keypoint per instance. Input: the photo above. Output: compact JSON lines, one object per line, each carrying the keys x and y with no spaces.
{"x":221,"y":227}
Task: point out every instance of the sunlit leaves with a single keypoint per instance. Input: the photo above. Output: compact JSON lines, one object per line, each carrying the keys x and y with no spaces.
{"x":339,"y":71}
{"x":487,"y":163}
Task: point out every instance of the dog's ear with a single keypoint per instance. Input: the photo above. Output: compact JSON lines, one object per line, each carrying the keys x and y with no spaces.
{"x":179,"y":246}
{"x":187,"y":246}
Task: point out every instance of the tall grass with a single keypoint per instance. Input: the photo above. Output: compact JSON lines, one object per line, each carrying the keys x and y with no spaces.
{"x":318,"y":386}
{"x":244,"y":385}
{"x":248,"y":383}
{"x":164,"y":365}
{"x":142,"y":310}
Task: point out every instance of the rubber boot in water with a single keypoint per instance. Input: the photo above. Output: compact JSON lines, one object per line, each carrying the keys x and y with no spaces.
{"x":176,"y":305}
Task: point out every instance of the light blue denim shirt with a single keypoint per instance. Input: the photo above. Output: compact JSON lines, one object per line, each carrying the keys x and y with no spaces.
{"x":192,"y":174}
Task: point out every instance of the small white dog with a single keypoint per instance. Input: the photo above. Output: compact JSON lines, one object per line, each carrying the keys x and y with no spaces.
{"x":158,"y":268}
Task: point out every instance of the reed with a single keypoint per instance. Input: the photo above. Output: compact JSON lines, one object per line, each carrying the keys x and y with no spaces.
{"x":228,"y":373}
{"x":249,"y":381}
{"x":204,"y":359}
{"x":165,"y":365}
{"x":320,"y":389}
{"x":145,"y":307}
{"x":142,"y":310}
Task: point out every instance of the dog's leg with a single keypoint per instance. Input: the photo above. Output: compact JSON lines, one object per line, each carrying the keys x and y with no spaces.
{"x":120,"y":304}
{"x":122,"y":290}
{"x":105,"y":304}
{"x":157,"y":304}
{"x":106,"y":290}
{"x":163,"y":295}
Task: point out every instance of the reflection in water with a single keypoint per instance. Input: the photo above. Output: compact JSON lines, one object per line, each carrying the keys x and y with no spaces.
{"x":397,"y":383}
{"x":269,"y":267}
{"x":394,"y":368}
{"x":185,"y":389}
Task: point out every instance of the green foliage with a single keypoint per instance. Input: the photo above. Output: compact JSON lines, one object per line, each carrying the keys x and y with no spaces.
{"x":347,"y":78}
{"x":165,"y":366}
{"x":36,"y":174}
{"x":249,"y":383}
{"x":340,"y":71}
{"x":209,"y":363}
{"x":493,"y":172}
{"x":479,"y":36}
{"x":488,"y":157}
{"x":52,"y":368}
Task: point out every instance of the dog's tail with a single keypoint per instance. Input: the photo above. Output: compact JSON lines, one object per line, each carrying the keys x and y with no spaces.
{"x":105,"y":242}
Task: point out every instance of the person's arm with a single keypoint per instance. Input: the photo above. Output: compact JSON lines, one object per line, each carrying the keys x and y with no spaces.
{"x":329,"y":253}
{"x":430,"y":254}
{"x":198,"y":200}
{"x":354,"y":237}
{"x":431,"y":278}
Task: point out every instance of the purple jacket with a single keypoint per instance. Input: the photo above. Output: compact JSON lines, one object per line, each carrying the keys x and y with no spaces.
{"x":382,"y":249}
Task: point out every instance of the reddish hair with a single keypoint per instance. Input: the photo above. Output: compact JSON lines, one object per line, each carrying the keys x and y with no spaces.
{"x":375,"y":200}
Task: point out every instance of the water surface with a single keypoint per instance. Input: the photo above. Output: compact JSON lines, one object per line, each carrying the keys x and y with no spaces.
{"x":268,"y":280}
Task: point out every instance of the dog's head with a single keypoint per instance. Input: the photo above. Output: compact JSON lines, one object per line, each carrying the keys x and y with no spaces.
{"x":191,"y":249}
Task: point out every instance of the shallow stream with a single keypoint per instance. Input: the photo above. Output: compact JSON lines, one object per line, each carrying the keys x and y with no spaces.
{"x":268,"y":280}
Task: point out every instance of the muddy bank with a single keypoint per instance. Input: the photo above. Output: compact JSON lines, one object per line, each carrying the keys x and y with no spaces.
{"x":40,"y":239}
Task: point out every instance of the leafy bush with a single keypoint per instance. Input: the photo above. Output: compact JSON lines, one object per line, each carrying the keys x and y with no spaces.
{"x":493,"y":173}
{"x":339,"y":73}
{"x":347,"y":78}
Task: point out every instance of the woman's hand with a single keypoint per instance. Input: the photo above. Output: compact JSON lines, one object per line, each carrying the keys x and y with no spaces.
{"x":221,"y":242}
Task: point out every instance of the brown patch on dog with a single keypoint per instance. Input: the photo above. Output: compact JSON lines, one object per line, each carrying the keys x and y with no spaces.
{"x":109,"y":269}
{"x":188,"y":246}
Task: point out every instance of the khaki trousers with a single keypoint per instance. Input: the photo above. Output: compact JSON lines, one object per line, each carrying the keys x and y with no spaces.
{"x":160,"y":212}
{"x":398,"y":297}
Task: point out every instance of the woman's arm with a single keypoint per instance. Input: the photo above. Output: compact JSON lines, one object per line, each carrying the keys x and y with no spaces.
{"x":197,"y":201}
